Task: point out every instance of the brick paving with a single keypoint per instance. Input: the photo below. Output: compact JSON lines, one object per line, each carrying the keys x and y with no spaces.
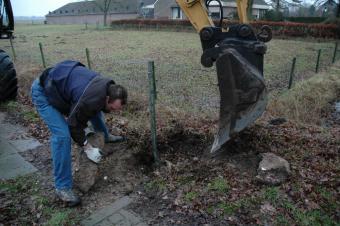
{"x":115,"y":214}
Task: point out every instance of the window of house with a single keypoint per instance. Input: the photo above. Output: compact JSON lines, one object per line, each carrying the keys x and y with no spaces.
{"x":72,"y":10}
{"x":115,"y":9}
{"x":61,"y":12}
{"x":215,"y":15}
{"x":66,"y":11}
{"x":176,"y":13}
{"x":127,"y":7}
{"x":94,"y":10}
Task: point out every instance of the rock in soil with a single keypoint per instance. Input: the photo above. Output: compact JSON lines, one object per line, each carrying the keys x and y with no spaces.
{"x":86,"y":172}
{"x":272,"y":170}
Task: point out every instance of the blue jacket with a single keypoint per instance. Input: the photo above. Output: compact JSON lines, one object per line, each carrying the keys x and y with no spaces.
{"x":76,"y":92}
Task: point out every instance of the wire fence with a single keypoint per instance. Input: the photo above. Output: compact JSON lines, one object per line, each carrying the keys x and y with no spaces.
{"x":181,"y":84}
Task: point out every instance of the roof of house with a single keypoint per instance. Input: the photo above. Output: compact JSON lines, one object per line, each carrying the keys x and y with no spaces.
{"x":92,"y":7}
{"x":147,"y":2}
{"x":173,"y":3}
{"x":258,"y":2}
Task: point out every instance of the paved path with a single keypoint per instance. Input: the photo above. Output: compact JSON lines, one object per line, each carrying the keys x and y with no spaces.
{"x":114,"y":214}
{"x":13,"y":140}
{"x":12,"y":164}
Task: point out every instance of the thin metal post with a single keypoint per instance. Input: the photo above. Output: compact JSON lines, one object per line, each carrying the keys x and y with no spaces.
{"x":42,"y":55}
{"x":12,"y":46}
{"x":335,"y":51}
{"x":88,"y":58}
{"x":97,"y":25}
{"x":318,"y":62}
{"x":85,"y":25}
{"x":152,"y":102}
{"x":291,"y":77}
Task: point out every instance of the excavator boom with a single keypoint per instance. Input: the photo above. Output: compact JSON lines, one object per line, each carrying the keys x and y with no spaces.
{"x":238,"y":55}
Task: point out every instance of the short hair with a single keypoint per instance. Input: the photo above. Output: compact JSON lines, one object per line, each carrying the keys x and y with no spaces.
{"x":117,"y":92}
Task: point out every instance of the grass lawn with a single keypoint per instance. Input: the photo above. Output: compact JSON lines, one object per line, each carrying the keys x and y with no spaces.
{"x":181,"y":80}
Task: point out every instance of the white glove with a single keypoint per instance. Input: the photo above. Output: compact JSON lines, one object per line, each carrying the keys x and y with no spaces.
{"x":92,"y":153}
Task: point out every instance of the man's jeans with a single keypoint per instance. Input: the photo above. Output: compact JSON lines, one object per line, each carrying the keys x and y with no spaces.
{"x":61,"y":138}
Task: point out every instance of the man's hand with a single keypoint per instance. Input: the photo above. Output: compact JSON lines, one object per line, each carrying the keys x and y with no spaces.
{"x":92,"y":153}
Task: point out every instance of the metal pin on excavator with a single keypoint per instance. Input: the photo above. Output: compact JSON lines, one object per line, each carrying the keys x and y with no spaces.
{"x":238,"y":54}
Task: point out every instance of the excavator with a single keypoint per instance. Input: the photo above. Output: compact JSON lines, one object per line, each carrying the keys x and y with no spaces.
{"x":236,"y":50}
{"x":8,"y":79}
{"x":238,"y":55}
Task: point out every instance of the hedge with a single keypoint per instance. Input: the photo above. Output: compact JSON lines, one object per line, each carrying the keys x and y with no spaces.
{"x":307,"y":20}
{"x":278,"y":28}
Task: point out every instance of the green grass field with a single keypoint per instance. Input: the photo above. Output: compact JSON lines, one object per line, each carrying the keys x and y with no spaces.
{"x":182,"y":81}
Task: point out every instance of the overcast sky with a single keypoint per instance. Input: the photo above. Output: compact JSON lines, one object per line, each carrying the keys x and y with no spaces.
{"x":36,"y":7}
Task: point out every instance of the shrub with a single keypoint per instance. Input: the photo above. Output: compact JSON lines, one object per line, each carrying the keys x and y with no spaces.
{"x":321,"y":30}
{"x":272,"y":15}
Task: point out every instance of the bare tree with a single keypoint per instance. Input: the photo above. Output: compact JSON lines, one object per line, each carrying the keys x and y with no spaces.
{"x":104,"y":6}
{"x":279,"y":5}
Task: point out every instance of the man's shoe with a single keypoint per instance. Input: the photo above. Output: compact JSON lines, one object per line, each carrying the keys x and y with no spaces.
{"x":68,"y":196}
{"x":113,"y":139}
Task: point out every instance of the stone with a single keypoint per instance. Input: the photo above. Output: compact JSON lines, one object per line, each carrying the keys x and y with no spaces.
{"x":272,"y":170}
{"x":106,"y":212}
{"x":86,"y":172}
{"x":23,"y":145}
{"x":96,"y":140}
{"x":12,"y":164}
{"x":116,"y":218}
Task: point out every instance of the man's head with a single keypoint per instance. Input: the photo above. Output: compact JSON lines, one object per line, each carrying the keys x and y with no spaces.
{"x":116,"y":98}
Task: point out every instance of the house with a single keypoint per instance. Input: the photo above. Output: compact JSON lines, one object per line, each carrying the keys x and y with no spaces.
{"x":168,"y":9}
{"x":147,"y":9}
{"x":90,"y":12}
{"x":328,"y":9}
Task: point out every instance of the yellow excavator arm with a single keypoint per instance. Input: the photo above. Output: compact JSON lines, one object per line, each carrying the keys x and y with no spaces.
{"x":238,"y":55}
{"x":197,"y":13}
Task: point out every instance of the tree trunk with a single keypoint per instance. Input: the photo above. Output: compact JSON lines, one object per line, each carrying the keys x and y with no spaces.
{"x":338,"y":11}
{"x":277,"y":5}
{"x":105,"y":16}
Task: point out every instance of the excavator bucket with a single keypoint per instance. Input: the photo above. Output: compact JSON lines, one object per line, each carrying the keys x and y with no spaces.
{"x":238,"y":53}
{"x":243,"y":94}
